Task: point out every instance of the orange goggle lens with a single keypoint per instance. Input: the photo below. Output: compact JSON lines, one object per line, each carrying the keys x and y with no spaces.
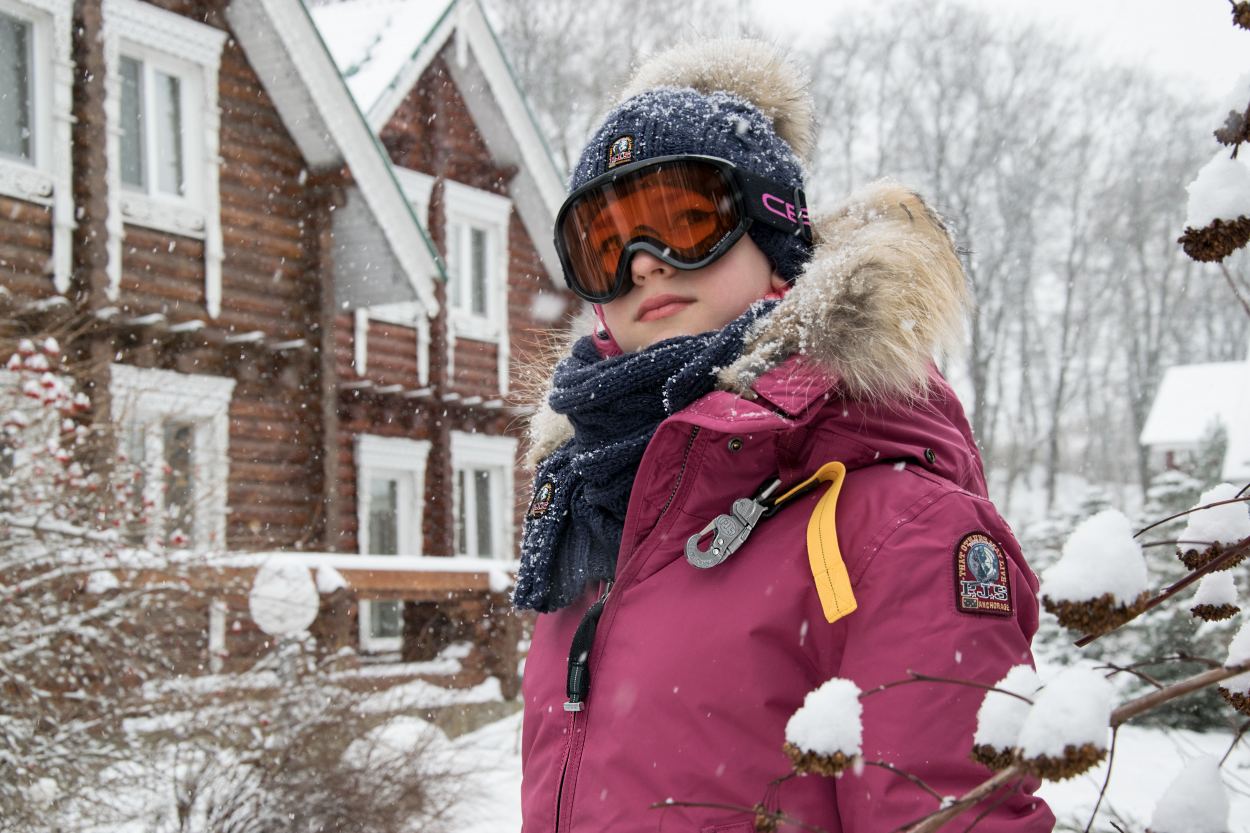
{"x":683,"y":208}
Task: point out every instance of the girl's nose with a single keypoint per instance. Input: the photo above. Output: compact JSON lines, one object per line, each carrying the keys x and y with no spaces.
{"x":646,"y":265}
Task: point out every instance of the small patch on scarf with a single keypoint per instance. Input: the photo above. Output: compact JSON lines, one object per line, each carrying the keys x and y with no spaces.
{"x":620,"y":151}
{"x":541,"y":500}
{"x":982,"y":585}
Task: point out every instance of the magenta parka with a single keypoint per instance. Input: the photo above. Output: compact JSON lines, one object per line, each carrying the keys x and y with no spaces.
{"x":695,"y":672}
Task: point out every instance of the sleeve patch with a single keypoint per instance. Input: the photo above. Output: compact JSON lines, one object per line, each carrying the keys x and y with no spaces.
{"x":982,"y":585}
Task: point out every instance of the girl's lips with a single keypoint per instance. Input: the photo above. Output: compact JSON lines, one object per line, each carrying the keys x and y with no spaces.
{"x":662,"y":307}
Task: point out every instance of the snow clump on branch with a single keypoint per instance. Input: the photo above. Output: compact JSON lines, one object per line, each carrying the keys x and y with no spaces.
{"x":1236,"y":690}
{"x":1210,"y":531}
{"x":1001,"y":716}
{"x":1216,"y":599}
{"x":1195,"y":802}
{"x":825,"y":734}
{"x":1100,"y":581}
{"x":284,"y":599}
{"x":1065,"y":732}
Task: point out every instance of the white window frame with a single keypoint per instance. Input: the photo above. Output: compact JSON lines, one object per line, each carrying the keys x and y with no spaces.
{"x":192,"y":51}
{"x":406,"y":458}
{"x":46,"y":179}
{"x":467,"y":207}
{"x":498,"y":454}
{"x":144,"y":399}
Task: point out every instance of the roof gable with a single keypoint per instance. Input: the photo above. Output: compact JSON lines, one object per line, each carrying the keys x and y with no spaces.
{"x":367,"y":38}
{"x":284,"y":47}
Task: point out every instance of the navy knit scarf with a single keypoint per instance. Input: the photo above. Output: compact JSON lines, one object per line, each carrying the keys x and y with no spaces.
{"x":577,"y":513}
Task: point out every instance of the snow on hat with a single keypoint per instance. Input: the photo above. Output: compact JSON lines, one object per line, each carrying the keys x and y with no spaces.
{"x":738,"y":100}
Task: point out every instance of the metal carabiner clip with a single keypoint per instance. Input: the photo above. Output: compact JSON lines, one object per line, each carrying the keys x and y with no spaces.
{"x":726,"y":533}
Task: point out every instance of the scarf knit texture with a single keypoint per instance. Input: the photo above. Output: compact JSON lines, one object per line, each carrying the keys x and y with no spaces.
{"x":581,"y":491}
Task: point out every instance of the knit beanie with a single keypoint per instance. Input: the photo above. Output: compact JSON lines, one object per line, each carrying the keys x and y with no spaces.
{"x":737,"y":100}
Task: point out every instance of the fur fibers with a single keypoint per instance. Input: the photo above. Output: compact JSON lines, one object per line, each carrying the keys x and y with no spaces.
{"x":750,"y":69}
{"x":883,"y":294}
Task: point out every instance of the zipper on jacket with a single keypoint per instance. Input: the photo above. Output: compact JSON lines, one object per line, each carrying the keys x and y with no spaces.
{"x":681,"y":472}
{"x":577,"y":685}
{"x":578,"y":682}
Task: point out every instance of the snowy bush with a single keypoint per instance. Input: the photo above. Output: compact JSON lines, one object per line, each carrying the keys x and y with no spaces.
{"x":287,"y":747}
{"x":83,"y":620}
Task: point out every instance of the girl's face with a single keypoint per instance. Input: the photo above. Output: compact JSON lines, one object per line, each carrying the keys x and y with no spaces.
{"x":666,"y":302}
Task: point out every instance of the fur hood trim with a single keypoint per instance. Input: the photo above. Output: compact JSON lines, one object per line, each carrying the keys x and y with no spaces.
{"x":883,"y":295}
{"x":750,"y":69}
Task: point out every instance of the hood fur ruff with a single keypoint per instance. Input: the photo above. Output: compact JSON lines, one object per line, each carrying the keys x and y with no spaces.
{"x":883,"y":294}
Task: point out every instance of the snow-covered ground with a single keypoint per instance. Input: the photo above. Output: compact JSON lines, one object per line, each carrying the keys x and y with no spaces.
{"x":1146,"y":761}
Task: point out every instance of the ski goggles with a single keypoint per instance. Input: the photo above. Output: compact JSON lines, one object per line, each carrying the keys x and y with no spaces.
{"x":686,"y":210}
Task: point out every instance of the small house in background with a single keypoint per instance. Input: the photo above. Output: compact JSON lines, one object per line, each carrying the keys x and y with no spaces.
{"x":302,"y":307}
{"x":1194,"y":403}
{"x":424,"y":390}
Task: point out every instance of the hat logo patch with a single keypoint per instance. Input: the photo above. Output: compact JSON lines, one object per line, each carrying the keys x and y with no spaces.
{"x":982,"y":584}
{"x":620,"y":151}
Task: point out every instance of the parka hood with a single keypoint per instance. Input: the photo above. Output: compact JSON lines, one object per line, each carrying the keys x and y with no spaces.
{"x":883,"y":295}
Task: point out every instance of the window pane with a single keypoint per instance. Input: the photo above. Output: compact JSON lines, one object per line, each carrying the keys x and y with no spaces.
{"x":169,"y":134}
{"x":482,"y":519}
{"x":135,"y":441}
{"x":179,"y":479}
{"x":383,"y":516}
{"x":462,"y":546}
{"x":132,"y":122}
{"x":15,"y":115}
{"x":477,"y":271}
{"x":385,"y":619}
{"x":455,"y":267}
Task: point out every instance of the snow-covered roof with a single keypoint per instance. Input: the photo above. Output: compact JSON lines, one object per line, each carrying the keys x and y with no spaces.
{"x":1192,"y":397}
{"x":383,"y":46}
{"x":283,"y":45}
{"x":371,"y":40}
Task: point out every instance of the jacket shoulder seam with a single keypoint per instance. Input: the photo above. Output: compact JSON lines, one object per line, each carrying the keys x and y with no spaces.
{"x":895,"y":523}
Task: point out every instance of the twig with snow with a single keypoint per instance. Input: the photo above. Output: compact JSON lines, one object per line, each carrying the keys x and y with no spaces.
{"x":1119,"y":716}
{"x":1224,"y":559}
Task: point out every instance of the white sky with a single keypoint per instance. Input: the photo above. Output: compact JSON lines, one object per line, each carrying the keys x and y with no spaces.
{"x":1187,"y":38}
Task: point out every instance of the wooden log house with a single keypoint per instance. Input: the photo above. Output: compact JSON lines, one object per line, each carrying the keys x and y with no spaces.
{"x":304,"y":300}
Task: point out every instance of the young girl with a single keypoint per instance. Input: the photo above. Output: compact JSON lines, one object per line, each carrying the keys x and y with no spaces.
{"x":690,"y":596}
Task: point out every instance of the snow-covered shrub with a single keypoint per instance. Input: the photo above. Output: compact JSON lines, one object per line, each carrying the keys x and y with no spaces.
{"x":1211,"y":531}
{"x":288,"y":747}
{"x":1195,"y":802}
{"x":1066,"y":730}
{"x":1001,"y":716}
{"x":1236,"y":690}
{"x":1100,"y":582}
{"x":83,"y":619}
{"x":1216,"y":599}
{"x":825,"y":734}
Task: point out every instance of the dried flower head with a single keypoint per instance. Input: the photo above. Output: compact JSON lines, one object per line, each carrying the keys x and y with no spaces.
{"x":1215,"y":613}
{"x":1241,"y":14}
{"x":992,"y":757}
{"x":1216,"y":241}
{"x":1196,"y":559}
{"x":765,"y":820}
{"x":1098,"y":616}
{"x":1074,"y":761}
{"x":1235,"y":130}
{"x":1239,"y":700}
{"x":811,"y":763}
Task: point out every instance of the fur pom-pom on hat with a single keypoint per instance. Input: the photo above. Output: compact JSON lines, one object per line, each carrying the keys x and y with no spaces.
{"x":749,"y":69}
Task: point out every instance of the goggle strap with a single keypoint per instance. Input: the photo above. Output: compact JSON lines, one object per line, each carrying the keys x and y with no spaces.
{"x":769,"y":203}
